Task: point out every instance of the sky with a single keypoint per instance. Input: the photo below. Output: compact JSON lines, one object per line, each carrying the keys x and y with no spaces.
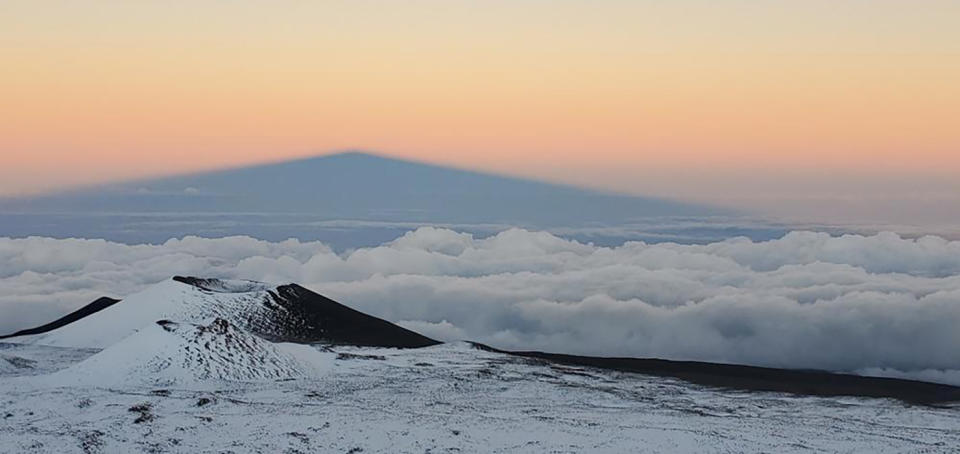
{"x":813,"y":109}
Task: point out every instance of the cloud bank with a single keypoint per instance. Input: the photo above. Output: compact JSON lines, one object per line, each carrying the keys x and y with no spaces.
{"x":877,"y":304}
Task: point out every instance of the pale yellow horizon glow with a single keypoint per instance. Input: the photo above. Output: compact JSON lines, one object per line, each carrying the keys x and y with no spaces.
{"x":708,"y":100}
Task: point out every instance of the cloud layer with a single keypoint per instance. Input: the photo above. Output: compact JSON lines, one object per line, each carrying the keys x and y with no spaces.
{"x":879,"y":304}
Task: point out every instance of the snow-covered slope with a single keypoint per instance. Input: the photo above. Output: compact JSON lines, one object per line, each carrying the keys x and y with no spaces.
{"x":452,"y":398}
{"x":14,"y":365}
{"x":286,"y":313}
{"x":167,"y":300}
{"x":166,"y":353}
{"x":191,"y":365}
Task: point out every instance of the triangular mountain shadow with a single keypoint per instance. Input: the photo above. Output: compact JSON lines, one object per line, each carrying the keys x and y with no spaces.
{"x":363,"y":186}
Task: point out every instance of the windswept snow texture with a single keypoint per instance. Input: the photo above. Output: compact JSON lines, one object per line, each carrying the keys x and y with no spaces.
{"x":168,"y":353}
{"x":288,"y":313}
{"x":877,"y":304}
{"x":451,"y":398}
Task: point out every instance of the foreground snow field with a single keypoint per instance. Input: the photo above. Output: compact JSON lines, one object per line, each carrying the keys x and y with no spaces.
{"x":203,"y":365}
{"x":445,"y":398}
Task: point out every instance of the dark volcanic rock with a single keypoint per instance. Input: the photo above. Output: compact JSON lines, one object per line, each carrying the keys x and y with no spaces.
{"x":320,"y":319}
{"x":752,"y":378}
{"x":92,"y":308}
{"x":296,"y":314}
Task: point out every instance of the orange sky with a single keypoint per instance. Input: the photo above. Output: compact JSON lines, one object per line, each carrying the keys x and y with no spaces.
{"x":710,"y":100}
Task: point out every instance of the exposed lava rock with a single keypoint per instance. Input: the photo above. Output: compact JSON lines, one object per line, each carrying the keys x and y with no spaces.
{"x":291,"y":313}
{"x":752,"y":378}
{"x":314,"y":318}
{"x":92,"y":308}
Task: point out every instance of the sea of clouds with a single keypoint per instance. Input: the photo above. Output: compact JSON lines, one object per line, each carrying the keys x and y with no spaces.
{"x":876,"y":304}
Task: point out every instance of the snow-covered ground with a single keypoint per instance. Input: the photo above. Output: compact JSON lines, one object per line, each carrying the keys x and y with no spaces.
{"x":446,"y":398}
{"x":182,"y":368}
{"x":171,"y":353}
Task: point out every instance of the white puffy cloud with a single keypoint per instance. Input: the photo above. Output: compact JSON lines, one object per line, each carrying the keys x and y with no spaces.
{"x":879,"y":303}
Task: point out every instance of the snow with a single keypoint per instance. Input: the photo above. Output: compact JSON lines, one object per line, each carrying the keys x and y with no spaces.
{"x":239,"y":302}
{"x":171,"y":353}
{"x":176,"y":368}
{"x":24,"y":360}
{"x":453,"y":398}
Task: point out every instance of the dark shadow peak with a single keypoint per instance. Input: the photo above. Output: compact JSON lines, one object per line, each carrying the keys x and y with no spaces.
{"x":360,"y":185}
